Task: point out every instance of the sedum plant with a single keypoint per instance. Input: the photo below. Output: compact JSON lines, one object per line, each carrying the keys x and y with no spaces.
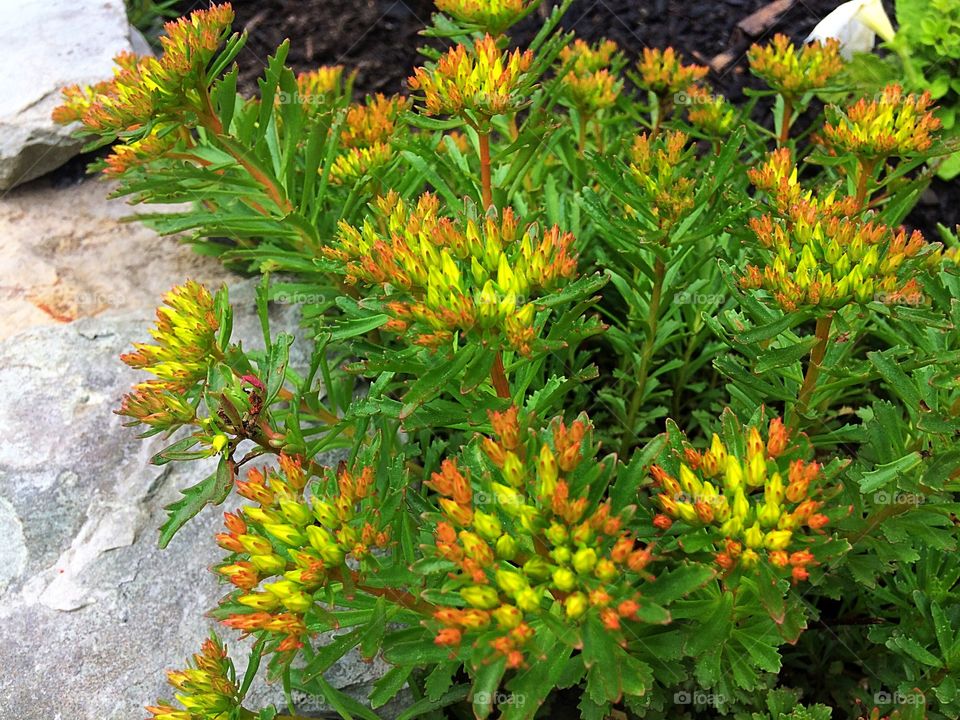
{"x":612,"y":397}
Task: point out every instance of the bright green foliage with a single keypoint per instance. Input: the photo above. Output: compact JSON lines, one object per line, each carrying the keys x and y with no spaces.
{"x":611,"y":397}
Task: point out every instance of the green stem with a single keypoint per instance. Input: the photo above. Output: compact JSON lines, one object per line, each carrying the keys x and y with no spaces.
{"x":582,"y":134}
{"x":646,"y":358}
{"x":813,"y":371}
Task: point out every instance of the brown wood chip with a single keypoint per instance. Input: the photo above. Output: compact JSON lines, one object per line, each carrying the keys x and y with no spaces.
{"x":764,"y":18}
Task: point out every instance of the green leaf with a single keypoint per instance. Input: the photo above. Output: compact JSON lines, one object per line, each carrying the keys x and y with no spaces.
{"x":213,"y":490}
{"x":890,"y":370}
{"x":485,"y":684}
{"x":274,"y":373}
{"x":603,"y":674}
{"x":771,"y":329}
{"x":357,"y":326}
{"x":673,"y":584}
{"x":388,"y":686}
{"x":342,"y":703}
{"x":178,"y":451}
{"x":884,"y":474}
{"x":914,"y":649}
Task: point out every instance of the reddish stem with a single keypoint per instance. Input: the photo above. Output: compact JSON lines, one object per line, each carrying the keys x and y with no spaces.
{"x":813,"y":370}
{"x":785,"y":121}
{"x":486,"y":184}
{"x":498,"y":376}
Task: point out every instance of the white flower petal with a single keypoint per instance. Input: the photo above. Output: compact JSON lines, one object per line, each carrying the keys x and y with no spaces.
{"x":856,"y":25}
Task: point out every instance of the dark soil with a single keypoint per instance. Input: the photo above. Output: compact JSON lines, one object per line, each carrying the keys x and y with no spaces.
{"x":379,"y":39}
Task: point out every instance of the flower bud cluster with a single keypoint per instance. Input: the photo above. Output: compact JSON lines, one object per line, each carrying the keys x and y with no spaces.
{"x":287,"y":545}
{"x":709,"y":112}
{"x":481,"y":79}
{"x":446,"y":275}
{"x":370,"y":126}
{"x":492,"y":16}
{"x":314,"y":85}
{"x":894,"y":124}
{"x":526,"y":541}
{"x":186,"y":346}
{"x":590,"y":82}
{"x":207,"y":689}
{"x":813,"y":256}
{"x":146,"y":89}
{"x":793,"y":71}
{"x":658,"y":166}
{"x":662,"y":72}
{"x":758,"y":504}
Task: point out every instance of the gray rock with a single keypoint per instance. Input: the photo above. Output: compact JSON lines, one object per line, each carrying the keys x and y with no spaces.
{"x":46,"y":46}
{"x":91,"y":611}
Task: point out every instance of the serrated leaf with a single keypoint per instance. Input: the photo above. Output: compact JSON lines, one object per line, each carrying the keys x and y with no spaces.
{"x":213,"y":490}
{"x":388,"y":686}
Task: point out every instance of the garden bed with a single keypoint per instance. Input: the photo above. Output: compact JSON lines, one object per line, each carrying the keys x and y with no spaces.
{"x":379,"y":39}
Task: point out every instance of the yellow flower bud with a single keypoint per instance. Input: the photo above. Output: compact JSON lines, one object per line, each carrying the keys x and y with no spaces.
{"x":219,"y":442}
{"x":487,"y":525}
{"x":528,"y":600}
{"x":547,"y":472}
{"x":509,"y":499}
{"x":606,"y":570}
{"x":733,"y":478}
{"x":687,"y":512}
{"x":513,"y":469}
{"x":483,"y":597}
{"x":298,"y":602}
{"x":296,"y":512}
{"x":768,"y":514}
{"x":749,"y":558}
{"x":281,"y":588}
{"x":718,"y":449}
{"x":256,"y":545}
{"x":506,"y":548}
{"x":774,"y":491}
{"x":507,"y":616}
{"x":732,"y":527}
{"x":326,"y":514}
{"x":741,"y":506}
{"x":557,"y":533}
{"x":575,"y":605}
{"x":511,"y":582}
{"x":689,"y":482}
{"x":585,"y":560}
{"x":537,"y":568}
{"x":287,"y":534}
{"x":269,"y":564}
{"x":756,"y":470}
{"x":777,"y":539}
{"x":754,"y":536}
{"x":259,"y":601}
{"x":564,"y":579}
{"x":561,"y":555}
